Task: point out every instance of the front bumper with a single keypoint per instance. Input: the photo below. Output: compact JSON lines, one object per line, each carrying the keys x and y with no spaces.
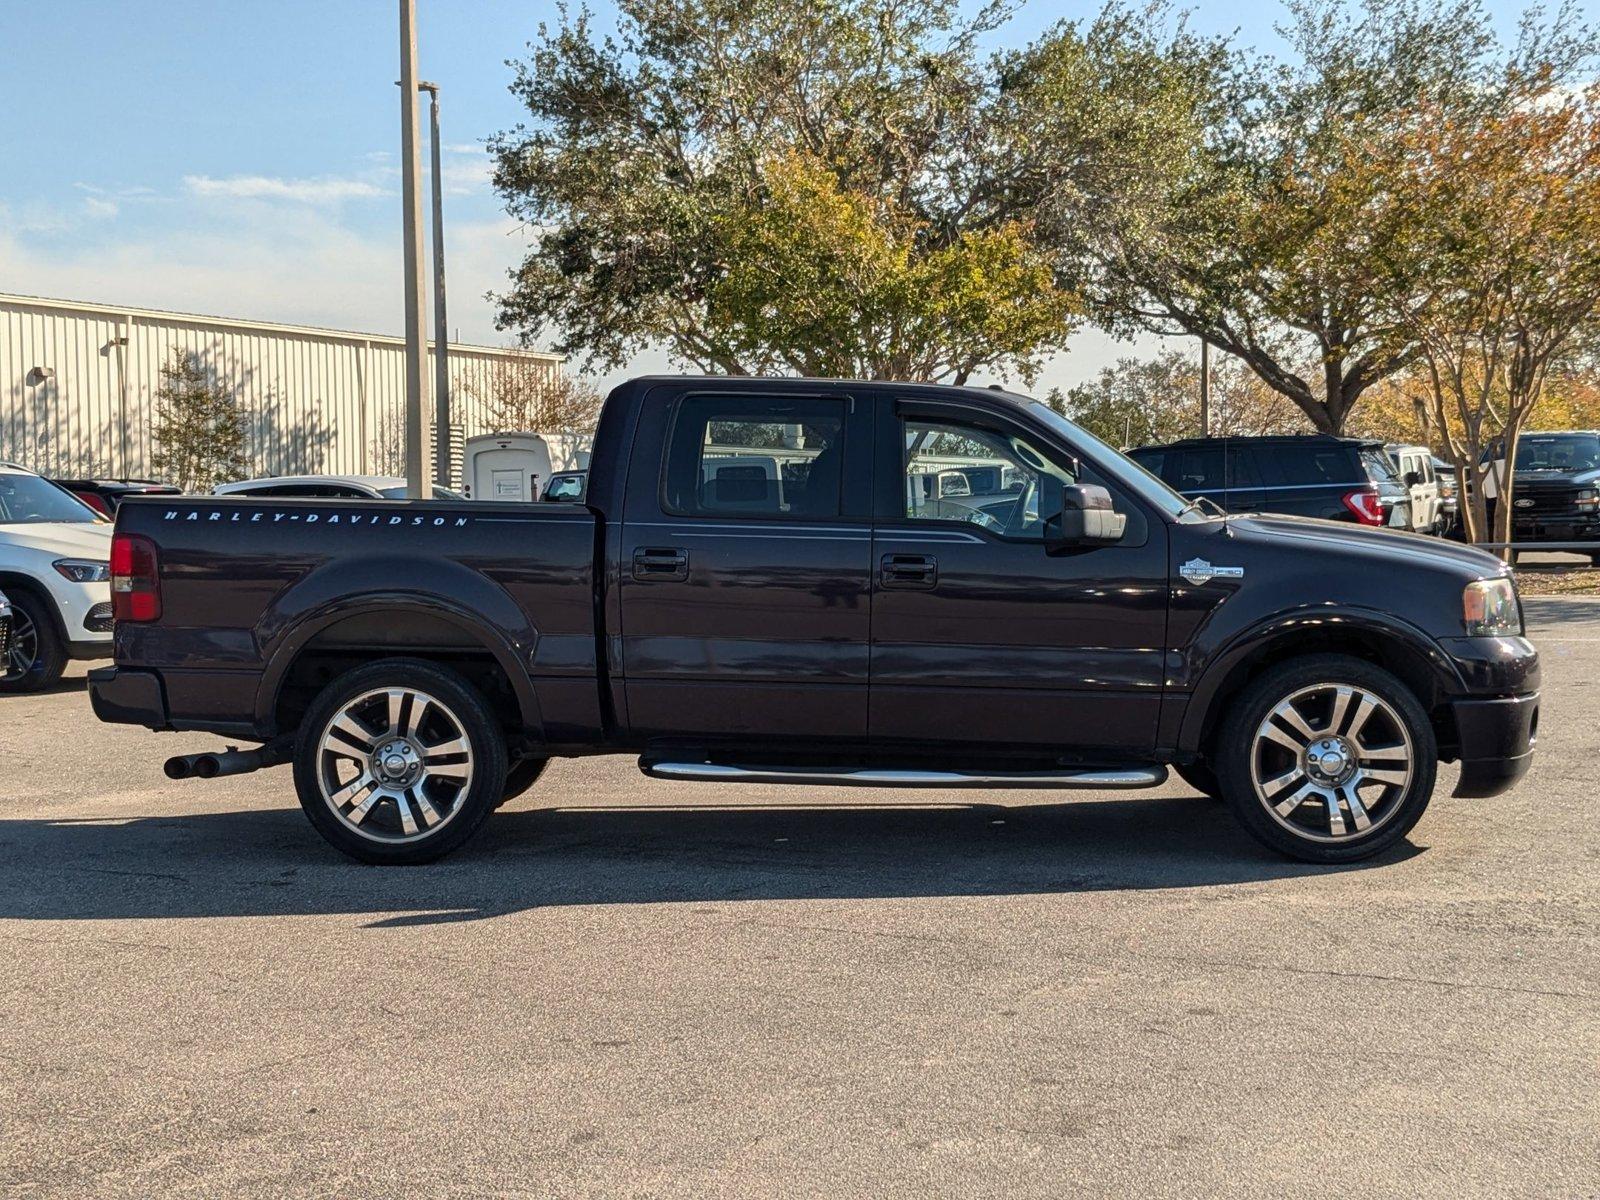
{"x":1556,"y":527}
{"x":1496,"y":738}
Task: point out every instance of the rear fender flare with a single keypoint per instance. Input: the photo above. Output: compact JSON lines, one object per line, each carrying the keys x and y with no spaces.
{"x":288,"y":644}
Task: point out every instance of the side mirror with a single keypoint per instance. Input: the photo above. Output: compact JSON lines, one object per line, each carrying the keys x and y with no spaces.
{"x":1086,"y":519}
{"x":1411,"y":478}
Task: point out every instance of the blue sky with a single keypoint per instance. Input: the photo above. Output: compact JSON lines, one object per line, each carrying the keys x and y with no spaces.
{"x":240,"y":158}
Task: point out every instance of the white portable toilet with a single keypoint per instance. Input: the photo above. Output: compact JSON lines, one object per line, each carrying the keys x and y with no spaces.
{"x":505,"y":466}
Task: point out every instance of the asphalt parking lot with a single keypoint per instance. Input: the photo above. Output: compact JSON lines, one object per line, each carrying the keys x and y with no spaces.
{"x":632,"y":988}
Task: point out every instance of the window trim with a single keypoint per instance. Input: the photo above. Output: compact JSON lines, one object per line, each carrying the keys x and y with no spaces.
{"x":845,"y":402}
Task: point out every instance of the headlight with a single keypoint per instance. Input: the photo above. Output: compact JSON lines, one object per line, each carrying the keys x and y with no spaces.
{"x":83,"y":570}
{"x":1587,"y":498}
{"x":1489,"y":609}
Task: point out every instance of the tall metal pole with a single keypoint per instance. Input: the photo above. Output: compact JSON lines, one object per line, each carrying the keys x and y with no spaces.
{"x":1205,"y":388}
{"x":411,"y":201}
{"x":441,"y":358}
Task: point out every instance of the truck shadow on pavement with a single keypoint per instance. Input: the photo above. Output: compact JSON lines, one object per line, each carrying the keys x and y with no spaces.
{"x":269,"y":862}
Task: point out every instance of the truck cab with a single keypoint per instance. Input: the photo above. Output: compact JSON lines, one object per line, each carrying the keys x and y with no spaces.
{"x":837,"y":610}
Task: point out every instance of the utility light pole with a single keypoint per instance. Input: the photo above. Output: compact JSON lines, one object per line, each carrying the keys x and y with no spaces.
{"x":417,"y":484}
{"x":1205,"y":388}
{"x":441,"y":357}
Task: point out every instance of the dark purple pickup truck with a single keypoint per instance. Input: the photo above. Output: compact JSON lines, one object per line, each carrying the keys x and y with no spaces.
{"x":823,"y":582}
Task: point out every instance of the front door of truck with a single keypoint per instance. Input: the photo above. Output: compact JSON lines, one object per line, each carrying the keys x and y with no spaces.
{"x":746,"y":565}
{"x":981,"y":635}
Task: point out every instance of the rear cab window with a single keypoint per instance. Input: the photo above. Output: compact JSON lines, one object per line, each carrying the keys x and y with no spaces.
{"x":748,"y":456}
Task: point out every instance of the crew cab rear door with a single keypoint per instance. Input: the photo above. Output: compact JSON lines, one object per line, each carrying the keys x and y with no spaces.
{"x":746,"y":564}
{"x":983,"y":637}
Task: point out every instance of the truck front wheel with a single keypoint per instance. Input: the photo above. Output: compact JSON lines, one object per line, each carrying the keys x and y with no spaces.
{"x":399,"y":762}
{"x":1327,"y":759}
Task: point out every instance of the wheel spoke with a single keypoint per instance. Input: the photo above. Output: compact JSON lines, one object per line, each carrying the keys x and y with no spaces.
{"x":1398,"y":778}
{"x":1288,"y":779}
{"x":457,"y":771}
{"x":397,"y":705}
{"x":430,"y":814}
{"x":1341,"y":703}
{"x":1335,"y":817}
{"x":351,"y":791}
{"x":1358,"y":811}
{"x":1285,"y":807}
{"x":351,"y":730}
{"x":403,"y":807}
{"x":1363,"y":710}
{"x":419,"y":709}
{"x":1275,"y":733}
{"x":1399,"y":752}
{"x":458,"y":745}
{"x":1290,"y":716}
{"x":359,"y":813}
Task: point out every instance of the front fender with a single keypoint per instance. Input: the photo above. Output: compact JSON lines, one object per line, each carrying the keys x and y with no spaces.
{"x":1320,"y":627}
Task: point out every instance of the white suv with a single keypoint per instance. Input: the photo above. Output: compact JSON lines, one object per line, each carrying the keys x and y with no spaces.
{"x":54,"y":568}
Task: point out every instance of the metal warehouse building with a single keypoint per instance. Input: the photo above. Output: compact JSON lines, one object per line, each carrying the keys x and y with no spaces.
{"x":78,"y":386}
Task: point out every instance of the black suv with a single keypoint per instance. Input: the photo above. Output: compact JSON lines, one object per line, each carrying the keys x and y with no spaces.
{"x":1338,"y":479}
{"x":1555,"y":491}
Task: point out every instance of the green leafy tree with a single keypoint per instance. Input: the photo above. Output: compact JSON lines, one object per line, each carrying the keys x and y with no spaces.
{"x":200,"y":432}
{"x":1145,"y":401}
{"x":773,"y":187}
{"x":1238,"y":205}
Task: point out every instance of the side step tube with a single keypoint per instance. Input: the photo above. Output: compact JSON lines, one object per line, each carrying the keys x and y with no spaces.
{"x":1102,"y":778}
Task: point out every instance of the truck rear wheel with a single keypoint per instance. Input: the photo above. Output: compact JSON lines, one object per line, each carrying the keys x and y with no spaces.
{"x":1327,"y":759}
{"x":399,"y":762}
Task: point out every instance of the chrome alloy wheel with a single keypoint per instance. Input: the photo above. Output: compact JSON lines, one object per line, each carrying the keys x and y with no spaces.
{"x":394,"y":764}
{"x":1332,"y":762}
{"x":24,"y":646}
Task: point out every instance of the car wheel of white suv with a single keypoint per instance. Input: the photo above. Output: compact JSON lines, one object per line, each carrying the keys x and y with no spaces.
{"x":37,"y":656}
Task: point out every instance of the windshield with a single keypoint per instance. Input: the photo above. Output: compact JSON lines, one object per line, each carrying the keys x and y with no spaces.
{"x":30,"y":500}
{"x":1127,"y":472}
{"x":1561,"y":452}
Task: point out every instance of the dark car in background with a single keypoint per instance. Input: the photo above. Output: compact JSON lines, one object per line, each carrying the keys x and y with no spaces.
{"x":103,"y":495}
{"x":1308,"y":475}
{"x":1555,"y":493}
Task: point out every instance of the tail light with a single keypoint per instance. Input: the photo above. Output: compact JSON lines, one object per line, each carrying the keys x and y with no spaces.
{"x":94,"y":502}
{"x":135,"y":579}
{"x":1365,"y":505}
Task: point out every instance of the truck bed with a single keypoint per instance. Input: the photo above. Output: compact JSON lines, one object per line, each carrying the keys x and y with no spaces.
{"x":262,"y":598}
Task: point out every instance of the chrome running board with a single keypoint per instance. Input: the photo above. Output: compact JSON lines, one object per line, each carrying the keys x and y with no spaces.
{"x":1104,"y":778}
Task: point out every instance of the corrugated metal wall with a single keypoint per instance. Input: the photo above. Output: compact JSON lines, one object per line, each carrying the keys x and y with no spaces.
{"x":318,"y":400}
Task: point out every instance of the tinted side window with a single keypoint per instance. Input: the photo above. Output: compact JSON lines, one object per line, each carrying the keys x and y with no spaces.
{"x":769,"y":456}
{"x":1242,"y":472}
{"x":1192,"y":470}
{"x":1303,"y":465}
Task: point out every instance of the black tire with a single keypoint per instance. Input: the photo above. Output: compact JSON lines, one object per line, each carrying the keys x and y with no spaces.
{"x":460,"y":710}
{"x":1201,"y":778}
{"x":1403,"y":805}
{"x":50,"y":655}
{"x":524,"y":773}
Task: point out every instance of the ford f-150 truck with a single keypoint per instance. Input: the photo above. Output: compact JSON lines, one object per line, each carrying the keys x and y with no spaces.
{"x":822,"y":582}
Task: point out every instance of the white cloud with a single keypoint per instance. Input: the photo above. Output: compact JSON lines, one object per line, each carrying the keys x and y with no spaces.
{"x":265,"y":187}
{"x":301,"y":268}
{"x":100,"y":208}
